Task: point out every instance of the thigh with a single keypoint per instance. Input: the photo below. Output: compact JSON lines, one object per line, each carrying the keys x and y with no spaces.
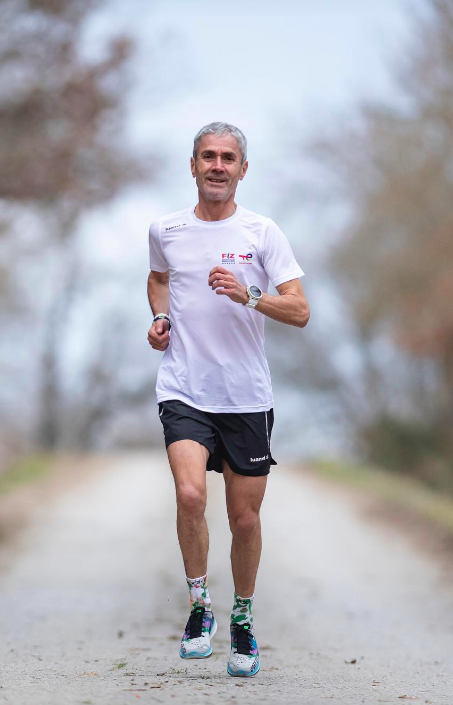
{"x":189,"y":438}
{"x":243,"y":492}
{"x":188,"y":464}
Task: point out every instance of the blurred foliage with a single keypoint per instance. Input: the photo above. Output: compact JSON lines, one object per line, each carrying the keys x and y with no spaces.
{"x":393,"y":262}
{"x":60,"y":114}
{"x":62,"y":153}
{"x":411,"y":448}
{"x":28,"y":469}
{"x":405,"y":493}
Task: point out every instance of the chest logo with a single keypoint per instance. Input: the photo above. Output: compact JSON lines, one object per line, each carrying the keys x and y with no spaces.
{"x":246,"y":259}
{"x":228,"y":258}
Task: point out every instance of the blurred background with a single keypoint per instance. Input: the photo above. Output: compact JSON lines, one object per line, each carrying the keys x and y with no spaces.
{"x":348,"y":109}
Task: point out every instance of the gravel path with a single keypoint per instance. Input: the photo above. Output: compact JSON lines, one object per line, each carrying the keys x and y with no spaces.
{"x":93,"y":602}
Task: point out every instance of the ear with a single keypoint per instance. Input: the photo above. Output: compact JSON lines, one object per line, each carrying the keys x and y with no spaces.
{"x":245,"y":166}
{"x":192,"y":166}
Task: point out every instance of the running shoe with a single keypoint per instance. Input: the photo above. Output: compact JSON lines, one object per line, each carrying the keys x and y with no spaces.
{"x":244,"y":656}
{"x":196,"y":640}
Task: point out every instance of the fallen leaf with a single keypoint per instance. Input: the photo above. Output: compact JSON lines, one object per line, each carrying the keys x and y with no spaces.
{"x":408,"y":697}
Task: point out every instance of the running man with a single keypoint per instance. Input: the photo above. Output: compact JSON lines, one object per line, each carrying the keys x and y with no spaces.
{"x":210,"y":270}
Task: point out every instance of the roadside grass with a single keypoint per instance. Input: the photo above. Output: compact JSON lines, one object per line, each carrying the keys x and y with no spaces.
{"x":28,"y":469}
{"x":402,"y":492}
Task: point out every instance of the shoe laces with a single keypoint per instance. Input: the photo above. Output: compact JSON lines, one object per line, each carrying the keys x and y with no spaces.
{"x":244,"y":639}
{"x":195,"y":623}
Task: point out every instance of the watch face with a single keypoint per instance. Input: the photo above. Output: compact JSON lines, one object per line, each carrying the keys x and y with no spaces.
{"x":255,"y":291}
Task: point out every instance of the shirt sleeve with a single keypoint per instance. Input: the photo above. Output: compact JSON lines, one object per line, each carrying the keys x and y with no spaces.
{"x":277,"y":256}
{"x":157,"y":261}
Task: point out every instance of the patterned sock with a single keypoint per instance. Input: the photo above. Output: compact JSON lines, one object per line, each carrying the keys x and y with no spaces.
{"x":242,"y":610}
{"x":199,"y":593}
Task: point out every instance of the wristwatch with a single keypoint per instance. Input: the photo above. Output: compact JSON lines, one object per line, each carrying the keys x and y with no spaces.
{"x":255,"y":294}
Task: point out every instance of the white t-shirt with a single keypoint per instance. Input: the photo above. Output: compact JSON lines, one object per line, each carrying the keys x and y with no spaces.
{"x":215,"y":360}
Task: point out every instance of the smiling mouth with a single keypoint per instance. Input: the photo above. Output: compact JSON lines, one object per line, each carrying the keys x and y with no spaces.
{"x":217,"y":181}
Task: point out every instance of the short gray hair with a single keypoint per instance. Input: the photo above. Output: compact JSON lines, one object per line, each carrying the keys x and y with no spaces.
{"x":221,"y":128}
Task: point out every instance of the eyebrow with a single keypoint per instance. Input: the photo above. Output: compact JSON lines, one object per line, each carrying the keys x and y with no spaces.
{"x":224,"y":154}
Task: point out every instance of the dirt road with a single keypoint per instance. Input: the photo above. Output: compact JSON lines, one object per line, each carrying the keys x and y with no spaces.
{"x":93,"y":602}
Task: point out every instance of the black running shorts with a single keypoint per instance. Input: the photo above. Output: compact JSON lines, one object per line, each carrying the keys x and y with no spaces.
{"x":243,"y":440}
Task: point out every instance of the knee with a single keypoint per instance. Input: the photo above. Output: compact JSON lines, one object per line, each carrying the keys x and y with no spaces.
{"x":191,"y":499}
{"x":245,"y":523}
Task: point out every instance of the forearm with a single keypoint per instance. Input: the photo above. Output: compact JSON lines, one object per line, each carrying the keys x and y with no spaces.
{"x":286,"y":308}
{"x":158,"y":295}
{"x":289,"y":306}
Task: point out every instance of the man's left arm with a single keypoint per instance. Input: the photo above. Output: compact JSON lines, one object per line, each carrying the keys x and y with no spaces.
{"x":289,"y":306}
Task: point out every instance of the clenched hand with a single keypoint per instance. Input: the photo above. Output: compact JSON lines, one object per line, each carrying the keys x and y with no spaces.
{"x":224,"y":282}
{"x":158,"y":335}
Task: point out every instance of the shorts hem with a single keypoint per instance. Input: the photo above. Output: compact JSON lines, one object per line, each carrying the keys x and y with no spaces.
{"x":258,"y":472}
{"x":244,"y":473}
{"x":174,"y":439}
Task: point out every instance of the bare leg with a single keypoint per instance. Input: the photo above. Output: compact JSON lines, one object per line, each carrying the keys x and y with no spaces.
{"x":188,"y":465}
{"x":244,"y":496}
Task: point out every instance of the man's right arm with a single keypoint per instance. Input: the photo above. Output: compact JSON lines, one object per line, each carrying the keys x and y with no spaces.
{"x":159,"y":300}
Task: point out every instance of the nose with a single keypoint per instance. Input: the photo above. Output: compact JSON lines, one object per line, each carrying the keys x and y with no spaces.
{"x":218,"y":164}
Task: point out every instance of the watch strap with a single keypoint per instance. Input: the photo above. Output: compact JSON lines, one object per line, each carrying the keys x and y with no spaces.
{"x":252,"y":302}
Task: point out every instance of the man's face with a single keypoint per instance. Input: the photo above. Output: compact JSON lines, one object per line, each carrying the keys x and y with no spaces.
{"x":218,"y":167}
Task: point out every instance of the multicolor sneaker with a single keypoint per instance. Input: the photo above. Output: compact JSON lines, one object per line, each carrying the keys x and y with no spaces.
{"x":244,"y":656}
{"x":196,"y":640}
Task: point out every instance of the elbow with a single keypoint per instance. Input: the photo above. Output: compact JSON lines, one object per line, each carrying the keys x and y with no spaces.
{"x":304,"y":316}
{"x":158,"y":277}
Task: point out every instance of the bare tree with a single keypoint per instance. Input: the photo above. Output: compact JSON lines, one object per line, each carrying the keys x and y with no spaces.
{"x":393,"y":264}
{"x":62,"y":153}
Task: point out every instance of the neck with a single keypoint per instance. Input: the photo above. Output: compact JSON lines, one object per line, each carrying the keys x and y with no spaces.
{"x":214,"y":210}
